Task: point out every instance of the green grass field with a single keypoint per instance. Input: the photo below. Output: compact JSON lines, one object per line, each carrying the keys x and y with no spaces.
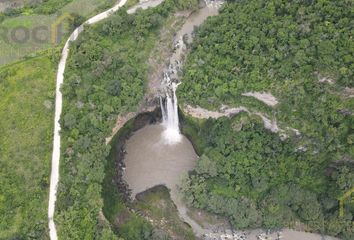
{"x":13,"y":49}
{"x":27,"y":91}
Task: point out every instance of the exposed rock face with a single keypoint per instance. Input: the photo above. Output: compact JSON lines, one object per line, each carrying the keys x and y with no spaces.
{"x":201,"y":113}
{"x":225,"y":111}
{"x":326,"y":80}
{"x":264,"y":97}
{"x":146,"y":106}
{"x":259,"y":234}
{"x":348,"y":92}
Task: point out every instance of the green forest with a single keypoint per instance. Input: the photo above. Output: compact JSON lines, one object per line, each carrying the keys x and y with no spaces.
{"x":247,"y":173}
{"x":258,"y":180}
{"x":300,"y":51}
{"x":105,"y":77}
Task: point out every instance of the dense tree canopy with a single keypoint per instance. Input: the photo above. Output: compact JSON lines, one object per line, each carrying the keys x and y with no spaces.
{"x":255,"y":179}
{"x":105,"y":77}
{"x":302,"y":52}
{"x":254,"y":45}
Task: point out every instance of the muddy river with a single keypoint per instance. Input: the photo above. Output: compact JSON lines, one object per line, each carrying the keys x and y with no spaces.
{"x":150,"y":161}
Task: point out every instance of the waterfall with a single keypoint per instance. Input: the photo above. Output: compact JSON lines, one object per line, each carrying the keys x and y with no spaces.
{"x":163,"y":111}
{"x":170,"y":120}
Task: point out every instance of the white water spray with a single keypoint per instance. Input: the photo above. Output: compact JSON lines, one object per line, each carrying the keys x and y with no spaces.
{"x":170,"y":118}
{"x":168,"y":100}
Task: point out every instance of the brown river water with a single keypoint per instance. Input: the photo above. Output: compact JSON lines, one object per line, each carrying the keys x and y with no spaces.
{"x":150,"y":161}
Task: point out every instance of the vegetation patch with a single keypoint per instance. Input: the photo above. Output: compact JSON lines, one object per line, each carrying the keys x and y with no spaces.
{"x":250,"y":175}
{"x":284,"y":48}
{"x":156,"y":205}
{"x":26,"y":112}
{"x":25,"y":31}
{"x":258,"y":180}
{"x":105,"y":77}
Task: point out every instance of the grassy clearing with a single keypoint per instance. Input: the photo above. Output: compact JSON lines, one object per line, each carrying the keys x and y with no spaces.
{"x":87,"y":8}
{"x":12,"y":49}
{"x":26,"y":112}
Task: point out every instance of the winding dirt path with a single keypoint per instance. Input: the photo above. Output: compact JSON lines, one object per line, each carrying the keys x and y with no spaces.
{"x":54,"y":178}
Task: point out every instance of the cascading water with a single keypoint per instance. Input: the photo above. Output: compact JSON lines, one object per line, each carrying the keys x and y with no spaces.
{"x":164,"y":114}
{"x":168,"y":101}
{"x":170,"y":82}
{"x":169,"y":110}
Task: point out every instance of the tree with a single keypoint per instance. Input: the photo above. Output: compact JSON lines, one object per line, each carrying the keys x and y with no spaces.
{"x":206,"y":166}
